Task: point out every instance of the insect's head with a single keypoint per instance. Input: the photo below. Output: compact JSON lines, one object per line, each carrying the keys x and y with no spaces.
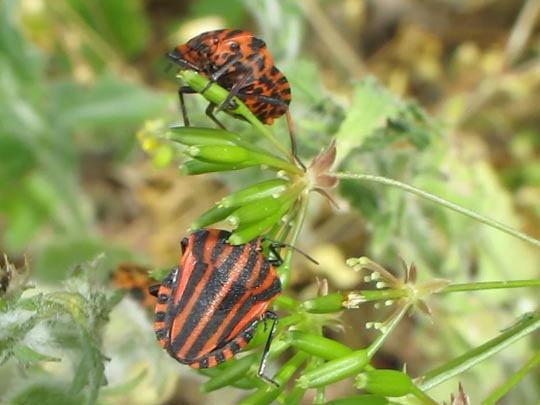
{"x":183,"y":57}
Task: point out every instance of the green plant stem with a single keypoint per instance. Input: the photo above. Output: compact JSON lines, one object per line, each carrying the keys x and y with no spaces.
{"x":489,"y":285}
{"x":502,"y":390}
{"x":296,"y":228}
{"x":287,"y":303}
{"x":422,"y":396}
{"x":263,"y":129}
{"x":387,"y":331}
{"x":268,"y":393}
{"x":441,"y":201}
{"x":217,"y":95}
{"x":524,"y":327}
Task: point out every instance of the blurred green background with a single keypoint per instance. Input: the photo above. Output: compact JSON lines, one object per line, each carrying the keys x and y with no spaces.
{"x":79,"y":79}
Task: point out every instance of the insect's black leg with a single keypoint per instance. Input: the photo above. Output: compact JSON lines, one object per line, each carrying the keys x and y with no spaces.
{"x":278,"y":261}
{"x":275,"y":101}
{"x":274,"y":318}
{"x":210,"y":113}
{"x":181,"y":91}
{"x":292,"y":134}
{"x":235,"y":90}
{"x":222,"y":70}
{"x":153,"y":290}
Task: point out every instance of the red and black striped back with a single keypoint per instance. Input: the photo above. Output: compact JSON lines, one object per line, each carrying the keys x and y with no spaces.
{"x":208,"y":307}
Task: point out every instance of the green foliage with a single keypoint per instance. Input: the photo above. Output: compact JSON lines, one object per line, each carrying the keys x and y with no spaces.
{"x":46,"y":129}
{"x":64,"y":327}
{"x":102,"y":17}
{"x":383,"y":151}
{"x":380,"y":133}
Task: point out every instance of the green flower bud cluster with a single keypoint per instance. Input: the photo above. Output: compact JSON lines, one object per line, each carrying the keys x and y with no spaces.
{"x":216,"y":150}
{"x":254,"y":209}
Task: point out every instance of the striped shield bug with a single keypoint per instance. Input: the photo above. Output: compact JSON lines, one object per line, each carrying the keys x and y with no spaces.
{"x":136,"y":280}
{"x":209,"y":306}
{"x":241,"y":63}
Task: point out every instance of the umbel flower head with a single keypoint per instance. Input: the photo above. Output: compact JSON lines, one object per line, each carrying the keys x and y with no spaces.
{"x":406,"y":292}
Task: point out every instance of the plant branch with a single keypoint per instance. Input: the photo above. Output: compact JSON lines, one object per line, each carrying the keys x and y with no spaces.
{"x":441,"y":201}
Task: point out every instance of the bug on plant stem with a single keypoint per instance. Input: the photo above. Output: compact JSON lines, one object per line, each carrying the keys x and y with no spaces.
{"x":136,"y":280}
{"x":241,"y":63}
{"x":209,"y":306}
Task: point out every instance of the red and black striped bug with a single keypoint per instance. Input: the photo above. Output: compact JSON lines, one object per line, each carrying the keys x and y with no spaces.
{"x":241,"y":63}
{"x":208,"y":308}
{"x":137,"y":281}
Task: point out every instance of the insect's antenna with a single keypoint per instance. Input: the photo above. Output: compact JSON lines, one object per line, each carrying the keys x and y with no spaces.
{"x":173,"y":57}
{"x":279,"y":244}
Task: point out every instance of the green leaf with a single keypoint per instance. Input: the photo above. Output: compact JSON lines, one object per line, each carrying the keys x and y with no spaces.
{"x":15,"y":323}
{"x":25,"y":354}
{"x":27,"y":208}
{"x":69,"y":321}
{"x":17,"y":160}
{"x":90,"y":372}
{"x":22,"y":55}
{"x":372,"y":106}
{"x":110,"y":103}
{"x":45,"y":393}
{"x":410,"y":126}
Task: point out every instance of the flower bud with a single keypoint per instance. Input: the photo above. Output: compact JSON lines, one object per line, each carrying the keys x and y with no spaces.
{"x":220,"y":154}
{"x":246,"y":233}
{"x":211,"y":216}
{"x":391,"y":383}
{"x":193,"y":167}
{"x":258,"y":191}
{"x":319,"y":346}
{"x":325,"y":304}
{"x":231,"y":374}
{"x":257,"y":210}
{"x":193,"y":136}
{"x":335,"y":370}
